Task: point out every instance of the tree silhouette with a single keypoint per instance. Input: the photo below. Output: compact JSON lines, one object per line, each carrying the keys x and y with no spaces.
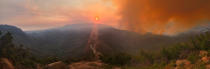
{"x":19,"y":55}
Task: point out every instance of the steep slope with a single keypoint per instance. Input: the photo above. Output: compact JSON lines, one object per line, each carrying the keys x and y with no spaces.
{"x":20,"y":37}
{"x":72,"y":40}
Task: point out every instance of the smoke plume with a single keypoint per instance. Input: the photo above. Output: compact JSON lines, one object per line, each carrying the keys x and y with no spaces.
{"x":163,"y":16}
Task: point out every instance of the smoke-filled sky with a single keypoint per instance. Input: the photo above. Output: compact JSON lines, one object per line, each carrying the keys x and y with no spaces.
{"x":156,"y":16}
{"x":164,"y":16}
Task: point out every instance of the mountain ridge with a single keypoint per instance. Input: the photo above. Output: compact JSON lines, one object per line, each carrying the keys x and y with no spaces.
{"x":71,"y":40}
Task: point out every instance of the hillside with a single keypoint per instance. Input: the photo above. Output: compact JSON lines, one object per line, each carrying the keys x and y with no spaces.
{"x":71,"y":40}
{"x":66,"y":47}
{"x":20,"y":37}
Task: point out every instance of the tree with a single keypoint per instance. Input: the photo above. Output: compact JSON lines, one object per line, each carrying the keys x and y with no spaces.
{"x":116,"y":59}
{"x":19,"y":55}
{"x":6,"y":45}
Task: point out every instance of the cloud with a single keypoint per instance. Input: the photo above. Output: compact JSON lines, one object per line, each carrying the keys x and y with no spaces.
{"x":156,"y":16}
{"x":163,"y":16}
{"x":43,"y":14}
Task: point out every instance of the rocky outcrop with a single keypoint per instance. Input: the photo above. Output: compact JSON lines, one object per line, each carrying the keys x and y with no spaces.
{"x":6,"y":64}
{"x":57,"y":65}
{"x":183,"y":64}
{"x":87,"y":65}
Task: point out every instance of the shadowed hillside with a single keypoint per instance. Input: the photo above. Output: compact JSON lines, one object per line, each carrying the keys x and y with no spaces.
{"x":71,"y":40}
{"x":66,"y":47}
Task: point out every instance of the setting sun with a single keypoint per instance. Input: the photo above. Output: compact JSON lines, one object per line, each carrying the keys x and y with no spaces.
{"x":97,"y":18}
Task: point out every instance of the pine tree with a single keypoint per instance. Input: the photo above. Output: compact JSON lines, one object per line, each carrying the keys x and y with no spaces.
{"x":17,"y":54}
{"x":6,"y":45}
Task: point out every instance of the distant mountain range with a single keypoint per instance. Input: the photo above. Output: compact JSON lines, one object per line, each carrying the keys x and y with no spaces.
{"x":71,"y":40}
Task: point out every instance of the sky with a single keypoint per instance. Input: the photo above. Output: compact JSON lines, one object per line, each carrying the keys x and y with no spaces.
{"x":44,"y":14}
{"x":155,"y":16}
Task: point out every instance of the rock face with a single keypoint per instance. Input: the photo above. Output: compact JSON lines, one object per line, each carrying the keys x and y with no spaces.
{"x":5,"y":64}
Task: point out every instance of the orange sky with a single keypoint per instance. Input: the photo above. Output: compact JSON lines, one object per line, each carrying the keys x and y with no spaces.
{"x":157,"y":16}
{"x":44,"y":14}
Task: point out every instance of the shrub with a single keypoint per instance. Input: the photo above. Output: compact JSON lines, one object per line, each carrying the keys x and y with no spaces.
{"x":117,"y":59}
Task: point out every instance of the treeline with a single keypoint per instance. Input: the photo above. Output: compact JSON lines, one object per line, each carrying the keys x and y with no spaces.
{"x":20,"y":56}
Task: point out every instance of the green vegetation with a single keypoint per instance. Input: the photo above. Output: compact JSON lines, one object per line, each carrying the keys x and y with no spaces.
{"x":17,"y":54}
{"x":187,"y":53}
{"x":167,"y":57}
{"x":119,"y":59}
{"x":21,"y":57}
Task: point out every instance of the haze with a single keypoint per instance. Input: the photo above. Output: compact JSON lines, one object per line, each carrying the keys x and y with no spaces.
{"x":159,"y":17}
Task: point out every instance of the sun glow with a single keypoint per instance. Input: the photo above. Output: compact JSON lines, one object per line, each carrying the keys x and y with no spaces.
{"x":97,"y":18}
